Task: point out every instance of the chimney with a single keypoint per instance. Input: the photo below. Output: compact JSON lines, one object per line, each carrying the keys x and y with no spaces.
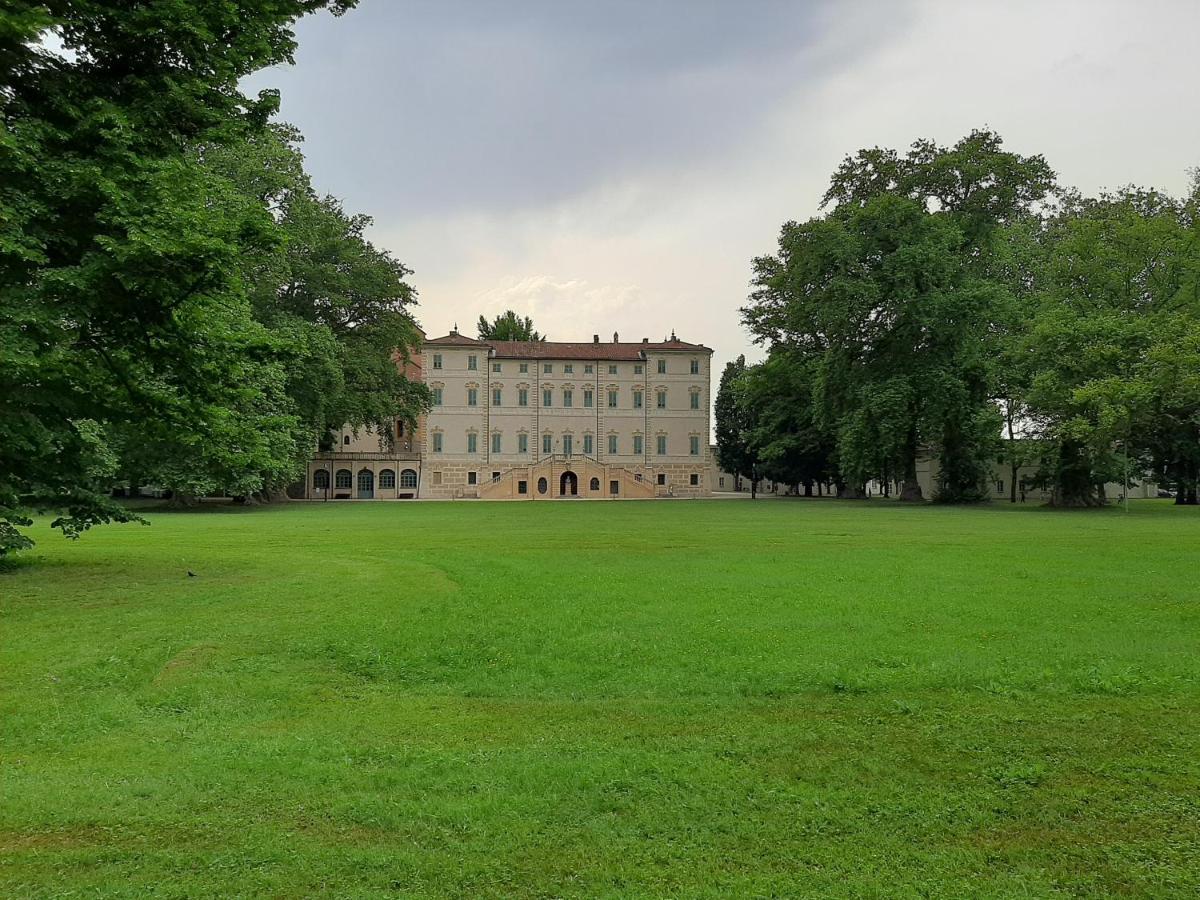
{"x":645,"y":340}
{"x":616,"y":338}
{"x":595,"y":338}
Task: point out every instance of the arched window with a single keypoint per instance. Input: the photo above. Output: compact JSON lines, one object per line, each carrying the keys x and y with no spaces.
{"x":321,"y":479}
{"x":366,"y":480}
{"x":343,"y":478}
{"x":594,"y":484}
{"x":387,"y":478}
{"x":408,"y":478}
{"x":543,"y":485}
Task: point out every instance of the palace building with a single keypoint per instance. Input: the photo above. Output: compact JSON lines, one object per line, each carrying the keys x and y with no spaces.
{"x":538,"y":420}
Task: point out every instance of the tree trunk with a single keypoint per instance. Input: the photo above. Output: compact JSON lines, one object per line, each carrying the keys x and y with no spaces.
{"x":808,"y":491}
{"x":1073,"y":485}
{"x":910,"y":490}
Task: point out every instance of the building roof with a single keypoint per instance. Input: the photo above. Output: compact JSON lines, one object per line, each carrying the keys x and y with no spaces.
{"x":454,"y":339}
{"x":594,"y":349}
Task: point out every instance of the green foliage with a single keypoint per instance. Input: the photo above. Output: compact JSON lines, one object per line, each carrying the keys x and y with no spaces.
{"x":751,"y":703}
{"x":735,"y":424}
{"x":508,"y":326}
{"x":1110,"y":349}
{"x":135,"y":263}
{"x":785,"y":436}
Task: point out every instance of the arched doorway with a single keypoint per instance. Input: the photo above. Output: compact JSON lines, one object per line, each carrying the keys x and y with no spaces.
{"x":568,"y":484}
{"x":366,"y":484}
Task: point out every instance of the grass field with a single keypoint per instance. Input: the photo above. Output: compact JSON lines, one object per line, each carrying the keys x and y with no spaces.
{"x":716,"y":698}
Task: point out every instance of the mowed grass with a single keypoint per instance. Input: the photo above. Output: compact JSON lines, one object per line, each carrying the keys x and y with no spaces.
{"x":719,"y":698}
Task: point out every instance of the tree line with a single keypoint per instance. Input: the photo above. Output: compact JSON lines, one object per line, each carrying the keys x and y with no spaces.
{"x":957,"y":302}
{"x":178,"y":305}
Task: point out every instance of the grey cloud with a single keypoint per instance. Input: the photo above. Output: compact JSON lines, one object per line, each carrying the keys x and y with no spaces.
{"x":456,"y":106}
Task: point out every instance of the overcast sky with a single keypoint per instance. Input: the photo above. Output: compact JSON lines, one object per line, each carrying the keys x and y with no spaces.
{"x":615,"y":166}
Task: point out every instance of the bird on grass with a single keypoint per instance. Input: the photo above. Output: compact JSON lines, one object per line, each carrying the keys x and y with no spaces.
{"x":191,"y":574}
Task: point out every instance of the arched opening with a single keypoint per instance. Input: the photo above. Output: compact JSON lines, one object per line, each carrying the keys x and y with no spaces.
{"x":594,"y":484}
{"x":568,"y":484}
{"x":387,"y":479}
{"x":408,"y":478}
{"x":543,"y":485}
{"x":321,"y":479}
{"x":343,"y":479}
{"x":366,"y":484}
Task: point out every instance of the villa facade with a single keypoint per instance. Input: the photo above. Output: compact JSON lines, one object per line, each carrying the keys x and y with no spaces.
{"x":538,"y":420}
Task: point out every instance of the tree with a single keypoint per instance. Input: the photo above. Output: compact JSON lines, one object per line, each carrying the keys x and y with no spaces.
{"x":786,"y":437}
{"x":1110,"y":350}
{"x":508,"y":326}
{"x":736,"y":453}
{"x":121,"y":297}
{"x":892,"y":290}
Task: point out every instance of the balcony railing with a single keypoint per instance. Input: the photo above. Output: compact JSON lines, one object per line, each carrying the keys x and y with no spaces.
{"x":363,"y":456}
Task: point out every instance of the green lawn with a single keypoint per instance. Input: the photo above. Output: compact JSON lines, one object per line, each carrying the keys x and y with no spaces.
{"x":681,"y":698}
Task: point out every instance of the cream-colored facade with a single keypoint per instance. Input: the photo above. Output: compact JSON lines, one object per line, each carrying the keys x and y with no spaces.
{"x":539,"y":420}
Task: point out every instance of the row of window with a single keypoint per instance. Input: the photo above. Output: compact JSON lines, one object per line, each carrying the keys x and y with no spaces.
{"x":344,"y":478}
{"x":523,"y":486}
{"x":567,"y":368}
{"x":568,"y":398}
{"x":567,"y":444}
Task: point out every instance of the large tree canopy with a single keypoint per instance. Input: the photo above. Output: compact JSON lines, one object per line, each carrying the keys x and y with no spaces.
{"x":889,"y":298}
{"x":127,"y":305}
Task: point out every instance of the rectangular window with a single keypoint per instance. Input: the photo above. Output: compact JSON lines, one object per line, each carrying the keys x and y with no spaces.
{"x":472,"y":442}
{"x":721,"y":481}
{"x":547,"y":444}
{"x":612,"y":370}
{"x":694,"y":445}
{"x":612,"y":399}
{"x":472,"y":478}
{"x":695,"y":370}
{"x":547,"y":368}
{"x":495,"y":396}
{"x":437,"y":360}
{"x":437,"y":477}
{"x":522,"y":487}
{"x":662,"y":367}
{"x":662,"y":477}
{"x":568,"y":443}
{"x":522,"y":443}
{"x":612,"y":444}
{"x":568,"y":398}
{"x":496,"y":442}
{"x":568,"y":368}
{"x":614,"y":487}
{"x":637,"y":370}
{"x":472,"y":362}
{"x":547,"y":396}
{"x":437,"y":442}
{"x":587,"y":399}
{"x":999,"y":487}
{"x":660,"y":399}
{"x":695,"y":399}
{"x":661,"y":444}
{"x":472,"y":397}
{"x":437,"y":396}
{"x":587,"y":444}
{"x":523,"y":367}
{"x":693,"y":479}
{"x":495,"y":367}
{"x":495,"y":476}
{"x":637,"y":445}
{"x":637,"y":399}
{"x":587,"y":369}
{"x":523,"y":397}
